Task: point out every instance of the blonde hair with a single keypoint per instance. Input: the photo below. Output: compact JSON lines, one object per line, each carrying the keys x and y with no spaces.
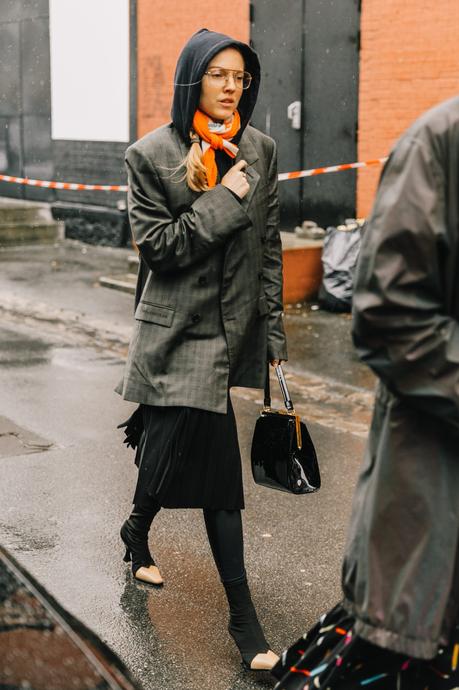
{"x":195,"y":175}
{"x":195,"y":171}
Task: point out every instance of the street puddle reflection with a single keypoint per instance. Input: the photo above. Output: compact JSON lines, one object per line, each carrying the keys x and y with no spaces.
{"x":190,"y":617}
{"x":42,"y":647}
{"x":21,"y":350}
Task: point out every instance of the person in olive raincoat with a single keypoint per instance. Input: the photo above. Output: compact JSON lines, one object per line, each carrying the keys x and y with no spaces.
{"x":204,"y":214}
{"x":401,"y":566}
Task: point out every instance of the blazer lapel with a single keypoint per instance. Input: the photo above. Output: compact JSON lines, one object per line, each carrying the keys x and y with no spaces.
{"x":234,"y":248}
{"x":248,"y":153}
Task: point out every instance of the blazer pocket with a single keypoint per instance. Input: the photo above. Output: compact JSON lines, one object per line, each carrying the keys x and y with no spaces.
{"x":262,"y":306}
{"x":155,"y":313}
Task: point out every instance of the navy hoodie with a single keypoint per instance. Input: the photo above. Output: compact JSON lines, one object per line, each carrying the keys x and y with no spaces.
{"x":192,"y":64}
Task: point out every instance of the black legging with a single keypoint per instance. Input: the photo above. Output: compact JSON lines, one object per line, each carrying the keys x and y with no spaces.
{"x":224,"y":530}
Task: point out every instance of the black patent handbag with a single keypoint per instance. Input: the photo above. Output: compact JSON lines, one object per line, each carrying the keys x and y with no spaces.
{"x":283,"y":455}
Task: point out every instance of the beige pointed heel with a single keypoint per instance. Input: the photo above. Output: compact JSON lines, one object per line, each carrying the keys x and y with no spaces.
{"x":263,"y":661}
{"x":134,"y":534}
{"x":150,"y":575}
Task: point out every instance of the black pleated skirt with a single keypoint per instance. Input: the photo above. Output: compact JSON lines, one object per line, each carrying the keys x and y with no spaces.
{"x":189,"y":458}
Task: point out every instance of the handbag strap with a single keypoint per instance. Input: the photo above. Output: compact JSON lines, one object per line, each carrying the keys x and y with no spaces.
{"x":267,"y":399}
{"x":283,"y":386}
{"x":287,"y":400}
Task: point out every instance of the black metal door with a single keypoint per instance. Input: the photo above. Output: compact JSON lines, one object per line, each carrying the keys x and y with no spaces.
{"x":309,"y":52}
{"x":25,"y":101}
{"x":10,"y":102}
{"x":277,"y":36}
{"x":331,"y":82}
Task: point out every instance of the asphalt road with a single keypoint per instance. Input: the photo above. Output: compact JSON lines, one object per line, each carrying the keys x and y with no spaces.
{"x":66,"y":479}
{"x":66,"y":486}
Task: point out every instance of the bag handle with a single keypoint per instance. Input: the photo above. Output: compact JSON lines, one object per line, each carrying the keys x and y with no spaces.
{"x":287,"y":400}
{"x":283,"y":386}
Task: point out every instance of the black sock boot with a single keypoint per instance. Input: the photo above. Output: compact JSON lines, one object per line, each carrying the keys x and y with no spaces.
{"x":134,"y":534}
{"x":243,"y":626}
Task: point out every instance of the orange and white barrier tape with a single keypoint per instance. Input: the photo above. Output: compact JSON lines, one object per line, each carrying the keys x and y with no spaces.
{"x":70,"y":186}
{"x":330,"y":169}
{"x":76,"y":186}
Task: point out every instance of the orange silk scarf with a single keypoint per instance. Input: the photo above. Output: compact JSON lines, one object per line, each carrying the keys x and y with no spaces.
{"x":219,"y":140}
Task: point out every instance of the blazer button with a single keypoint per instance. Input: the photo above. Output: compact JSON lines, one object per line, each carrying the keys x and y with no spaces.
{"x":196,"y":318}
{"x":202,"y":281}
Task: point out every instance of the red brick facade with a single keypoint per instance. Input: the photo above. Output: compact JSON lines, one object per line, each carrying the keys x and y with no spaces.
{"x":162,"y":29}
{"x":409,"y":62}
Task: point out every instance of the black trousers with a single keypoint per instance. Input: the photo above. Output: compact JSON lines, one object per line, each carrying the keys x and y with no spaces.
{"x":224,"y":531}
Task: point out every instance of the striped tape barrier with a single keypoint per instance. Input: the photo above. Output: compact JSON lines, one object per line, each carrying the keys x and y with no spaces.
{"x":76,"y":186}
{"x":70,"y":186}
{"x":330,"y":169}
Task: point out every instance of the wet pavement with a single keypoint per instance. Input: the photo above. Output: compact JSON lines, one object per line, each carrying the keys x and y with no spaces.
{"x":56,"y":286}
{"x":59,"y":283}
{"x":319,"y":341}
{"x":61,"y":354}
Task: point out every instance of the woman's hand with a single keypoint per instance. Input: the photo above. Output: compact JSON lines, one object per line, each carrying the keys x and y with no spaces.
{"x":275,"y":362}
{"x":236,"y":179}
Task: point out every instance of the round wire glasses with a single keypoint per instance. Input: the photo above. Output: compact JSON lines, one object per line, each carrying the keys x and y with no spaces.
{"x":220,"y":77}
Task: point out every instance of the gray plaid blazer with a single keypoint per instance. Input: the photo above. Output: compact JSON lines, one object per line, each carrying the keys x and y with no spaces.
{"x":209,"y":313}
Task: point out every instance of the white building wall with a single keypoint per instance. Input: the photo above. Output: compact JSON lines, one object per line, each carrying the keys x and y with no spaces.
{"x":90,"y":69}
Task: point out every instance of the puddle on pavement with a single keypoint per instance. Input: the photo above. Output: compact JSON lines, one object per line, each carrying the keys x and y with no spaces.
{"x":20,"y":350}
{"x":183,"y":627}
{"x":42,"y":646}
{"x":26,"y":538}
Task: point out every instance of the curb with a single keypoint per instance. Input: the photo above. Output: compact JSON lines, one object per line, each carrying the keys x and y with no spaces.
{"x":88,"y":331}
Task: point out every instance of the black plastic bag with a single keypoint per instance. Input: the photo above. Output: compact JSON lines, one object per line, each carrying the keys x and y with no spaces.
{"x":339,"y":260}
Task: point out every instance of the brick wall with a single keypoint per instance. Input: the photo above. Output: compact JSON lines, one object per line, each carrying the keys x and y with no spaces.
{"x":163,"y":27}
{"x":409,"y":62}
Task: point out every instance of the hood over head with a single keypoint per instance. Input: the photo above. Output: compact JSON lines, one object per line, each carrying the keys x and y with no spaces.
{"x":192,"y":64}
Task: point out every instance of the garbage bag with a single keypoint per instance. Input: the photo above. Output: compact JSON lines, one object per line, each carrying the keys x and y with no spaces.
{"x":339,"y":261}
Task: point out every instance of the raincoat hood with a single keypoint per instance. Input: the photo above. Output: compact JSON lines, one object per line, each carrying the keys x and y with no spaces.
{"x":192,"y":64}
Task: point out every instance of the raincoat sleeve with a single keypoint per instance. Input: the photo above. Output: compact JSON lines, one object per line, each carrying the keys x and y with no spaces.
{"x":167,"y":243}
{"x":272,"y":268}
{"x":402,"y":326}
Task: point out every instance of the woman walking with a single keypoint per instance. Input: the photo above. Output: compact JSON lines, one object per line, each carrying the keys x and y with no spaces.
{"x":203,"y":210}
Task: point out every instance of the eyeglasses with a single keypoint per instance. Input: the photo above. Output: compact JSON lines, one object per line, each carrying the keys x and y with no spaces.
{"x":220,"y":76}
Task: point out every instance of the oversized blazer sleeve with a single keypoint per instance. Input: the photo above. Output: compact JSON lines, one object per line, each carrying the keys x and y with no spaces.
{"x":401,"y":325}
{"x":167,"y":243}
{"x":272,"y":266}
